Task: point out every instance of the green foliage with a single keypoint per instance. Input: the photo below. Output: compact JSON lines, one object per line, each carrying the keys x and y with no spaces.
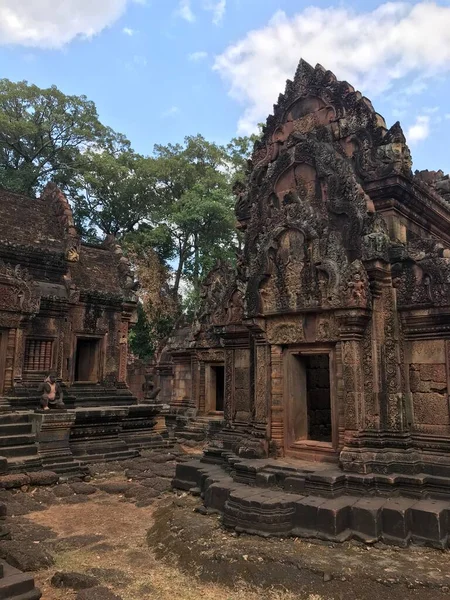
{"x":43,"y":134}
{"x":113,"y":193}
{"x":148,"y":333}
{"x":196,"y":205}
{"x":141,"y":340}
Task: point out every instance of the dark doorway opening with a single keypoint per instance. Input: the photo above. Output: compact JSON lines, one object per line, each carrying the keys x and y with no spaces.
{"x":220,"y":387}
{"x":86,"y":360}
{"x":317,"y":367}
{"x":215,"y":388}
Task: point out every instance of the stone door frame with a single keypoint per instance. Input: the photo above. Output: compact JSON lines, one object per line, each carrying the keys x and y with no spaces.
{"x":305,"y":448}
{"x":101,"y":340}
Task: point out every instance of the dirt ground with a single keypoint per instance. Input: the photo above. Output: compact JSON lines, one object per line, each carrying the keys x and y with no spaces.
{"x":142,"y":541}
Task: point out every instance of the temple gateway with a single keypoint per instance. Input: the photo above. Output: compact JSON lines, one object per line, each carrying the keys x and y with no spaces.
{"x":328,"y":349}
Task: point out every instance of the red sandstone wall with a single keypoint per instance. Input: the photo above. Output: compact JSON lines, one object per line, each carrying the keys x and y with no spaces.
{"x":136,"y":378}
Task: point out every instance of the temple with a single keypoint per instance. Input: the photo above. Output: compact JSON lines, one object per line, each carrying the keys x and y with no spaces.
{"x":65,"y":307}
{"x":331,"y":339}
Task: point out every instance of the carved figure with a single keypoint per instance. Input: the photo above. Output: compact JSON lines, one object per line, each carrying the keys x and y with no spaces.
{"x":52,"y":395}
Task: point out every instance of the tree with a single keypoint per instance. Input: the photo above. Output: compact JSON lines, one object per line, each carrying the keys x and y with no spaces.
{"x":44,"y":132}
{"x":157,"y":309}
{"x":196,"y":206}
{"x":112,"y":194}
{"x":239,"y":151}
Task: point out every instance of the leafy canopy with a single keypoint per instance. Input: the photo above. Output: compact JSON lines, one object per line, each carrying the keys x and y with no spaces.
{"x":43,"y":133}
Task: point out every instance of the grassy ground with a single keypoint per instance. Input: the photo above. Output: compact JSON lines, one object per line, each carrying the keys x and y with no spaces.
{"x":128,"y":566}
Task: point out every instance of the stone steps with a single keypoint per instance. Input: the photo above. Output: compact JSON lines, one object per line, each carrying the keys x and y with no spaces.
{"x":107,"y":456}
{"x":20,"y":451}
{"x":15,"y":585}
{"x":64,"y":466}
{"x":8,"y":429}
{"x":275,"y":512}
{"x":14,"y":418}
{"x":20,"y":439}
{"x":17,"y":440}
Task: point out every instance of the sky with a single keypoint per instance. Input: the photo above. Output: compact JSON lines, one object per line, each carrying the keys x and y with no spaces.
{"x":159,"y":70}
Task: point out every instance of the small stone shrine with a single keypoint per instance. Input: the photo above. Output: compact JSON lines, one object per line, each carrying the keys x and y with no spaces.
{"x":333,"y":334}
{"x":65,"y":307}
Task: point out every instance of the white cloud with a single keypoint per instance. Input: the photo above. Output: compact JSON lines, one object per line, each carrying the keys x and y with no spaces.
{"x":128,"y":31}
{"x":196,"y":56}
{"x":420,"y":130}
{"x":185,"y":11}
{"x":54,"y":23}
{"x":170,"y":112}
{"x":447,"y":116}
{"x":369,"y":49}
{"x":217,"y":8}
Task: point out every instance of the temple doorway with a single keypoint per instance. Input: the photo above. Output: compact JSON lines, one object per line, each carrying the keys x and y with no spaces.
{"x":309,"y":410}
{"x":318,"y":398}
{"x":215,"y":388}
{"x":86,"y":360}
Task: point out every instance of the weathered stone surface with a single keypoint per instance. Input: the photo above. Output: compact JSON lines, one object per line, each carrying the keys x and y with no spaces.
{"x":43,"y":478}
{"x":15,"y":480}
{"x":25,"y":556}
{"x":74,"y":581}
{"x":63,"y":490}
{"x":83,"y":488}
{"x":431,"y":408}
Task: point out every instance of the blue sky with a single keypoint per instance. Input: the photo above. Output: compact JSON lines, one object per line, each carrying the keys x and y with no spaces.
{"x":162,"y":69}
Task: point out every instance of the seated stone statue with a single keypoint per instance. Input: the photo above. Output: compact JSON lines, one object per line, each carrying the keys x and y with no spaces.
{"x":52,"y":394}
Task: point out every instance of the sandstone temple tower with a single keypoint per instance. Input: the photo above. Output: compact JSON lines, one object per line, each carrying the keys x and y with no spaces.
{"x":334,"y":332}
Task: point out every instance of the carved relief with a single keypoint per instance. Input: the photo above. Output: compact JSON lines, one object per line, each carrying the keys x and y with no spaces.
{"x":288,"y":332}
{"x":17,"y":290}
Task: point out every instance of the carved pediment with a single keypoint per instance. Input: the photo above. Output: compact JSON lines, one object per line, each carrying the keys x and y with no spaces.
{"x":18,"y":292}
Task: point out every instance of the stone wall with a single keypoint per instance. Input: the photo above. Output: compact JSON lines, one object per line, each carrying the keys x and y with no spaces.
{"x":428,"y":386}
{"x":136,"y":378}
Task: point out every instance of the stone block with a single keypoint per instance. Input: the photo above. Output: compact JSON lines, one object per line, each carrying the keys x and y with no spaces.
{"x":265,"y":480}
{"x":306,"y":511}
{"x":15,"y":585}
{"x":417,"y":384}
{"x":366,"y":518}
{"x":396,"y":520}
{"x":436,"y":386}
{"x":333,"y":516}
{"x":294,"y":484}
{"x":428,"y":351}
{"x":429,"y":522}
{"x":15,"y":480}
{"x":433,"y":372}
{"x":74,"y":581}
{"x":216,"y":495}
{"x":431,"y":409}
{"x":43,"y":478}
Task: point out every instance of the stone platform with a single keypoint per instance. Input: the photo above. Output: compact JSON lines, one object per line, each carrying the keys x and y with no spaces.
{"x":282,"y":498}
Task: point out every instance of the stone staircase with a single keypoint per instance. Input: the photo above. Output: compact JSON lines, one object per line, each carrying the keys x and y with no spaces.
{"x":272,"y":498}
{"x":18,"y":441}
{"x":199,"y":428}
{"x":91,"y":395}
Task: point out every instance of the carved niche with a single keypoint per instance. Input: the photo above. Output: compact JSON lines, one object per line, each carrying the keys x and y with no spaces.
{"x":18,"y":293}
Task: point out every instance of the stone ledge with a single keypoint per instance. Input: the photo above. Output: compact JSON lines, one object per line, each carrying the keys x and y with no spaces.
{"x":275,"y":512}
